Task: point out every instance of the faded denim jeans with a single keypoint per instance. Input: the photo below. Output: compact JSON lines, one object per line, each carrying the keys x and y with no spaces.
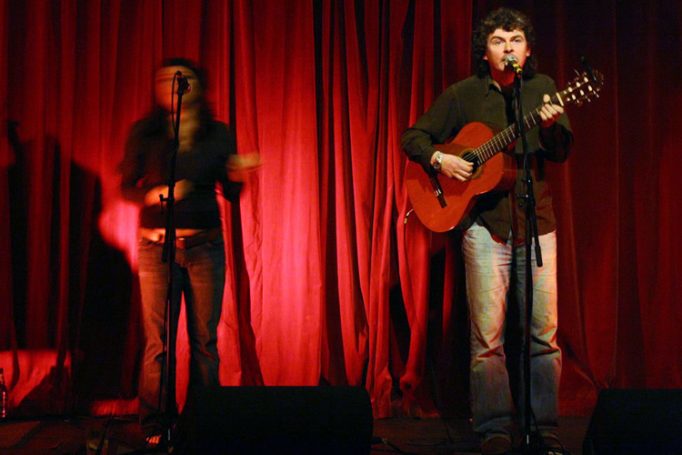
{"x":199,"y":274}
{"x":489,"y":268}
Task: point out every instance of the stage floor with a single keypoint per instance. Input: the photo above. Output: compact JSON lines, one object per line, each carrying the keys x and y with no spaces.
{"x":121,"y":435}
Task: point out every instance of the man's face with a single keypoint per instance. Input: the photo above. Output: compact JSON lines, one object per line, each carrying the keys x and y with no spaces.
{"x":164,"y":82}
{"x":501,"y":43}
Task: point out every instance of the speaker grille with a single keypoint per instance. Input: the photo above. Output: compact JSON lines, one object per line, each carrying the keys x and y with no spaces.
{"x":636,"y":422}
{"x":277,"y":420}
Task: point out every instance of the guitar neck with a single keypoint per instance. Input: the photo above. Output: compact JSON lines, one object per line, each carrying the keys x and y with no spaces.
{"x":508,"y":135}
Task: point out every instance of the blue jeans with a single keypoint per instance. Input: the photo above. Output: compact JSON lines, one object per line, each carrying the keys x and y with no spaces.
{"x":490,"y":265}
{"x":199,"y":274}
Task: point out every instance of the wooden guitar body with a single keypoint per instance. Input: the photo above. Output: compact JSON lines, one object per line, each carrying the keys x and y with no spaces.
{"x":441,"y":202}
{"x":497,"y":173}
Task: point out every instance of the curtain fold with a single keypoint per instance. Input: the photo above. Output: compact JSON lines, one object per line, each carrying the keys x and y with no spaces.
{"x":8,"y":337}
{"x":330,"y":279}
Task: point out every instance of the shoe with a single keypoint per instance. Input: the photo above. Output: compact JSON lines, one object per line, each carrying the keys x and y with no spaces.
{"x":156,"y":443}
{"x":153,"y":440}
{"x":551,"y":444}
{"x":496,"y":444}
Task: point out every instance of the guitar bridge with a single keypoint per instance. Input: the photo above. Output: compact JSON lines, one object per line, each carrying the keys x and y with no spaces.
{"x":438,"y":191}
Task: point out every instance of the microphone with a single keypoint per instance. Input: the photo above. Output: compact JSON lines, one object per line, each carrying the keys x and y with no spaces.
{"x":183,"y":84}
{"x":512,"y":63}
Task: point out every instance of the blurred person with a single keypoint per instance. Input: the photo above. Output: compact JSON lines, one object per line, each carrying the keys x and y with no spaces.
{"x":206,"y":157}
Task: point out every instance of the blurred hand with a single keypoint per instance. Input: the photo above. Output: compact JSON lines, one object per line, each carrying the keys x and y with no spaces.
{"x":240,"y":166}
{"x":182,"y":189}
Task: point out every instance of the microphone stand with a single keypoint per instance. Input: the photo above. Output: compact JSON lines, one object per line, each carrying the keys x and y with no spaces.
{"x":169,"y":407}
{"x":531,"y":233}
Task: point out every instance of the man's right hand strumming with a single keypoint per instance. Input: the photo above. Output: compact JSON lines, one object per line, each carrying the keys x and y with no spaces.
{"x":452,"y":166}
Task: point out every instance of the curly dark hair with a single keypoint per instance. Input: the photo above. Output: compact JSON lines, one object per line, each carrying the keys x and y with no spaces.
{"x":507,"y":19}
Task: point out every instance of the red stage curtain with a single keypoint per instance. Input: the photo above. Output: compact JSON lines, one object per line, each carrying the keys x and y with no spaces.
{"x":327,"y":280}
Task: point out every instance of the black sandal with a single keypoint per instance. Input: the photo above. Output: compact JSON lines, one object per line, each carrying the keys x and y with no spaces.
{"x":155,"y":440}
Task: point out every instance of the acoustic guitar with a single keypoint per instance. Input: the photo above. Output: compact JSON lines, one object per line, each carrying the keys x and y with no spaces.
{"x":441,"y":202}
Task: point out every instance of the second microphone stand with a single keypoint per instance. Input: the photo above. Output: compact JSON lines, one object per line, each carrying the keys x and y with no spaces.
{"x":168,"y":405}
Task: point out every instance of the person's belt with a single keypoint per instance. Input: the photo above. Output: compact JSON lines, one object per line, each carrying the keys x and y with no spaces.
{"x":190,"y":241}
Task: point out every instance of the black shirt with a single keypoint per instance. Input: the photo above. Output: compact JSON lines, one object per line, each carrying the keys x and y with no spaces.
{"x":478,"y":100}
{"x":146,"y":164}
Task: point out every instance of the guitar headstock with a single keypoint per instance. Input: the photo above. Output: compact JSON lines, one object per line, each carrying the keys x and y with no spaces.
{"x":584,"y":87}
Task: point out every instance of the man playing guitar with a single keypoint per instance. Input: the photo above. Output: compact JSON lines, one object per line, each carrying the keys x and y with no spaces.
{"x":493,"y":224}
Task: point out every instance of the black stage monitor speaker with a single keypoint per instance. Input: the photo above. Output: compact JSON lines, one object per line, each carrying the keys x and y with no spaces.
{"x":276,"y":420}
{"x":636,"y":422}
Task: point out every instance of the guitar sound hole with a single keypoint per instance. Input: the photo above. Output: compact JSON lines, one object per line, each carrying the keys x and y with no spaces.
{"x":472,"y":158}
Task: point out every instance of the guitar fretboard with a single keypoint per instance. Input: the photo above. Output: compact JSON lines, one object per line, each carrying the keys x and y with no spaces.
{"x":508,"y":135}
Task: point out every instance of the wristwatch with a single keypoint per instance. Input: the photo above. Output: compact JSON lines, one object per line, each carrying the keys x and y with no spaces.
{"x":438,"y":157}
